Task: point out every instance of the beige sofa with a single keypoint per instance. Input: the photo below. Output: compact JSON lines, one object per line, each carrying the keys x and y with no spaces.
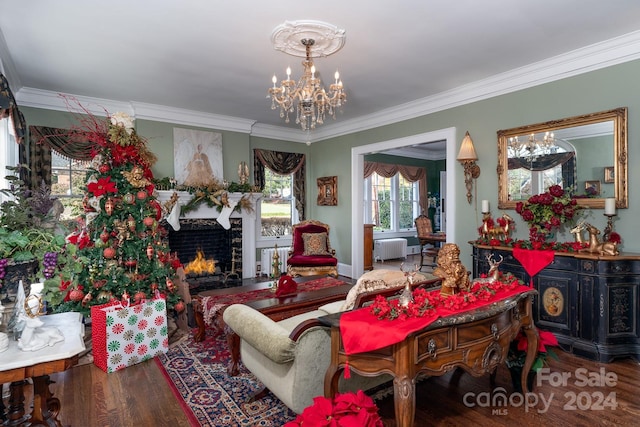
{"x":290,"y":357}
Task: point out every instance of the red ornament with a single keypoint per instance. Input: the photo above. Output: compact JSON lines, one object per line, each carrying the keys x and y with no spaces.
{"x":86,"y":299}
{"x":148,"y":221}
{"x":170,"y":286}
{"x":131,"y":262}
{"x":139,"y":296}
{"x":179,"y":307}
{"x":129,"y":198}
{"x":131,"y":223}
{"x":109,"y":206}
{"x":76,"y":295}
{"x":142,"y":195}
{"x":150,"y":251}
{"x":109,"y":252}
{"x":104,"y":236}
{"x":104,"y":168}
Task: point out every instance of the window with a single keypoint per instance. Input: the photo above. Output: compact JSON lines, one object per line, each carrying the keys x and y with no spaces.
{"x":391,"y":204}
{"x":68,"y":182}
{"x":277,"y":206}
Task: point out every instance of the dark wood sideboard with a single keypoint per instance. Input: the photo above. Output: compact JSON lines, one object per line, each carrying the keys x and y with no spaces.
{"x":590,"y":302}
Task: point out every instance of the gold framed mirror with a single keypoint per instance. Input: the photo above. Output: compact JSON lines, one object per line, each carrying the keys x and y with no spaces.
{"x":570,"y":152}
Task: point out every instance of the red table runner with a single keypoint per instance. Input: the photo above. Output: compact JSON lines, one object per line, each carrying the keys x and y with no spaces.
{"x":533,"y":261}
{"x":362,"y":331}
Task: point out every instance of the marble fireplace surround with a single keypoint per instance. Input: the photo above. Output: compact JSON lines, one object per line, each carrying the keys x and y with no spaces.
{"x":249,"y":222}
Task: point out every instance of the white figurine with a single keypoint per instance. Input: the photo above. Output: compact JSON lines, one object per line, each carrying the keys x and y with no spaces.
{"x":36,"y":337}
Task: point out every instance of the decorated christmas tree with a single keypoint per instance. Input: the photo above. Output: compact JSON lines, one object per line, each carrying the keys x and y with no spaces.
{"x":119,"y":250}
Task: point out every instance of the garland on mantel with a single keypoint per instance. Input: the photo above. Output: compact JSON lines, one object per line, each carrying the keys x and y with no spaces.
{"x":213,"y":195}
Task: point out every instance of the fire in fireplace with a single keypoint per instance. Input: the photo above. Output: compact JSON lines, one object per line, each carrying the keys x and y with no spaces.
{"x":200,"y":266}
{"x":205,"y":240}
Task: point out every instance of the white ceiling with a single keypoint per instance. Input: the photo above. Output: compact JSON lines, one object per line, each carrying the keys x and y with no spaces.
{"x":209,"y":62}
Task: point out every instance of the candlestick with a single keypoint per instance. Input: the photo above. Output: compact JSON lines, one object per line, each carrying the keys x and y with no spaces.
{"x":485,"y":206}
{"x":610,"y":206}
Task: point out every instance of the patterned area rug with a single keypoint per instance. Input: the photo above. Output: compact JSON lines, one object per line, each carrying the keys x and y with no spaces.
{"x":197,"y":373}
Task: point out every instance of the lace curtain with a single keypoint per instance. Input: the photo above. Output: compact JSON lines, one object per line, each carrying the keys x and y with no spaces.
{"x":284,"y":164}
{"x":410,"y":173}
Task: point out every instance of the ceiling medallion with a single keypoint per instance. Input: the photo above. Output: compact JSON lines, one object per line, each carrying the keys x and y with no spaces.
{"x":307,"y":97}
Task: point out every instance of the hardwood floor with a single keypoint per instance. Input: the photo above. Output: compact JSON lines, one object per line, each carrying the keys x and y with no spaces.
{"x":140,"y":396}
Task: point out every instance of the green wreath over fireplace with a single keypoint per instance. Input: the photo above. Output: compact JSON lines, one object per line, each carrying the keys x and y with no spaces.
{"x":213,"y":195}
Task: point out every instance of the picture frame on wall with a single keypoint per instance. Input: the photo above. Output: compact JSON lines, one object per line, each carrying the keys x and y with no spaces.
{"x":328,"y":191}
{"x":609,"y":175}
{"x":592,"y":188}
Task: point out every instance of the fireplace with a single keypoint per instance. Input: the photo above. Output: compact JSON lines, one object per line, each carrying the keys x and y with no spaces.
{"x":243,"y":224}
{"x":213,"y":242}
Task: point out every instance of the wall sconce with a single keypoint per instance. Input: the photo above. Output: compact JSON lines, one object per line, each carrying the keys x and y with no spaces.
{"x":467,"y":157}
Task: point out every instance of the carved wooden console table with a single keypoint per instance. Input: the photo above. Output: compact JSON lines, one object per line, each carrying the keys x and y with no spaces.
{"x":476,"y":340}
{"x":590,"y":302}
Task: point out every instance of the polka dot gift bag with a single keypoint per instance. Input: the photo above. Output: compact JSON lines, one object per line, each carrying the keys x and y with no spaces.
{"x":126,"y":335}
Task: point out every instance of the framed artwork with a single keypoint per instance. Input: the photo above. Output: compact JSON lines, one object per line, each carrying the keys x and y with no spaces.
{"x":328,"y":191}
{"x":609,"y":175}
{"x":592,"y":188}
{"x":197,"y":157}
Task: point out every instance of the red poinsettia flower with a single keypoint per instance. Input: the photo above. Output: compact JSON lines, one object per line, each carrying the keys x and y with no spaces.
{"x":546,"y":339}
{"x":319,"y":414}
{"x":103,"y":186}
{"x":81,"y":240}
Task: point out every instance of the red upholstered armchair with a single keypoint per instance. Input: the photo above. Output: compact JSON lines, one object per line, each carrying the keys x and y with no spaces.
{"x":311,"y":253}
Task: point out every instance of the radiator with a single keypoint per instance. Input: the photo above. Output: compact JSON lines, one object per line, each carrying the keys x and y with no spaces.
{"x":389,"y":249}
{"x":266,"y":260}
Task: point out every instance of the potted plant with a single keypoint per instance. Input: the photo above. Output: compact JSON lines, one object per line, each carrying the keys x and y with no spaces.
{"x":27,"y":231}
{"x":518,"y":354}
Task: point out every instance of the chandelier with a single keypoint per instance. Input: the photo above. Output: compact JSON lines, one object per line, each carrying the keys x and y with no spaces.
{"x":533,"y":147}
{"x":307,"y":97}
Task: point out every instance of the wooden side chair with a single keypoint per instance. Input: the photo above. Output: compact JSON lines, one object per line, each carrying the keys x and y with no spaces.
{"x":424,"y":229}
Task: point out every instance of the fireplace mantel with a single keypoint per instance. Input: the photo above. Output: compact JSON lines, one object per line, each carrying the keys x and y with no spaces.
{"x":248,"y":222}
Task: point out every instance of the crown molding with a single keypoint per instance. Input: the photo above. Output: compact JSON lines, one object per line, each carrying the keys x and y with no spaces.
{"x":191,"y":118}
{"x":611,"y":52}
{"x":590,"y":58}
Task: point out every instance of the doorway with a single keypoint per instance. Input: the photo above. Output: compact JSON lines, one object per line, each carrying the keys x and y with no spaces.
{"x":357,"y":172}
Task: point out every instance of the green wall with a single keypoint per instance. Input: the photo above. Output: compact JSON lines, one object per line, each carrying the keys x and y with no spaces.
{"x":591,"y":92}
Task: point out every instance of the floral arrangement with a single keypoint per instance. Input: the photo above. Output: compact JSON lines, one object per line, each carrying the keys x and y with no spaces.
{"x":424,"y":302}
{"x":546,"y":212}
{"x":346,"y":409}
{"x":518,"y":350}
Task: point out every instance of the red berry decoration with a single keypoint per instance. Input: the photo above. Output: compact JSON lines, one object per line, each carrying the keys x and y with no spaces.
{"x":104,"y":168}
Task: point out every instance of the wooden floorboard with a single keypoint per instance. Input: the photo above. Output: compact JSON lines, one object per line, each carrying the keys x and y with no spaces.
{"x":140,"y":396}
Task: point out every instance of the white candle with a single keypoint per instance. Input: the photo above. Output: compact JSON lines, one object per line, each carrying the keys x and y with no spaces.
{"x":485,"y":206}
{"x":610,"y":206}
